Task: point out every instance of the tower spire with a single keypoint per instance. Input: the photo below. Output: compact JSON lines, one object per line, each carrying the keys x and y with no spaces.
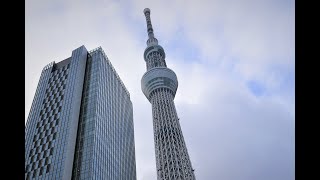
{"x":152,"y":40}
{"x":146,"y":12}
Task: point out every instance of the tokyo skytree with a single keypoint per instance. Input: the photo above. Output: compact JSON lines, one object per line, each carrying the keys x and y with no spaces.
{"x":159,"y":84}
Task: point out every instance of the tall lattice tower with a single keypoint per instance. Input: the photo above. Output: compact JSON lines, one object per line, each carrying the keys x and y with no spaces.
{"x":159,"y":84}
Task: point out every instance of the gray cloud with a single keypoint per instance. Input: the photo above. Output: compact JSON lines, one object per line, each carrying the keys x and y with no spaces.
{"x":216,"y":47}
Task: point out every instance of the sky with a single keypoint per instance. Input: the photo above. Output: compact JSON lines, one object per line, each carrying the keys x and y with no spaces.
{"x":235,"y":64}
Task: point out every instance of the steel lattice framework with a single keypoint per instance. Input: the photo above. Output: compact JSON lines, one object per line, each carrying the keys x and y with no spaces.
{"x":159,"y":84}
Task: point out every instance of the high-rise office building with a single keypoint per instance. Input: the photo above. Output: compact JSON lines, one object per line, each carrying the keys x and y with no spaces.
{"x":159,"y":84}
{"x":80,"y":125}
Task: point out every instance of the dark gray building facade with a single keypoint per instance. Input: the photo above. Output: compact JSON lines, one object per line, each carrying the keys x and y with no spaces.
{"x":80,"y":125}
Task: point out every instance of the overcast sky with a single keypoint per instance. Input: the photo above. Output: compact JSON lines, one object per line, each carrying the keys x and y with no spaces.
{"x":234,"y":60}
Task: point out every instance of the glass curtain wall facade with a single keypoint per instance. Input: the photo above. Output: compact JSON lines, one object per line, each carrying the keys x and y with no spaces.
{"x":80,"y":125}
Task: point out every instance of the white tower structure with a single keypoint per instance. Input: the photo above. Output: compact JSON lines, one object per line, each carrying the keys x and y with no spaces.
{"x":159,"y":84}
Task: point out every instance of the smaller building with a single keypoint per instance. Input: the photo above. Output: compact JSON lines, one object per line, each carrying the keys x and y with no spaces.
{"x":80,"y":125}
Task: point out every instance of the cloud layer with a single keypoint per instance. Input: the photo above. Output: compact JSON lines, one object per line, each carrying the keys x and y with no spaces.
{"x":235,"y":66}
